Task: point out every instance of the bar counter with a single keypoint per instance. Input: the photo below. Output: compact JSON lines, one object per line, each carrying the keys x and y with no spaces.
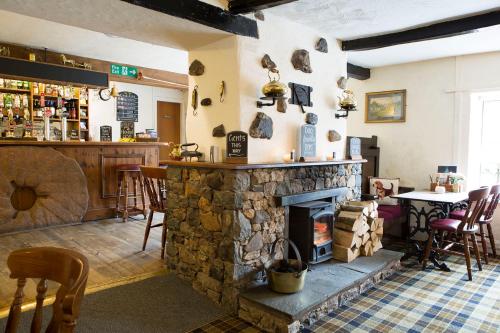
{"x":98,"y":161}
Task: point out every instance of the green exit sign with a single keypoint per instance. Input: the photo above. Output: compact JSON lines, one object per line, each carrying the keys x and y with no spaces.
{"x":124,"y":70}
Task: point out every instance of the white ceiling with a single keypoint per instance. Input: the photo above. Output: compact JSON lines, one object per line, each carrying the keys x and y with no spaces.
{"x":351,"y":19}
{"x":119,"y":18}
{"x":30,"y":31}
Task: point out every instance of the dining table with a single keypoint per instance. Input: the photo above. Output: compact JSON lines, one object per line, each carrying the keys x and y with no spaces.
{"x":435,"y":206}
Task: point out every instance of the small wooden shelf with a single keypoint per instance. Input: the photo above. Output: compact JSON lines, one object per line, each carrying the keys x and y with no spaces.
{"x":41,"y":119}
{"x":84,"y":105}
{"x":72,"y":119}
{"x":55,"y":97}
{"x":15,"y":90}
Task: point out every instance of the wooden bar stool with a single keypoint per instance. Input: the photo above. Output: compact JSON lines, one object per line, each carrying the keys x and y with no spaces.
{"x":124,"y":173}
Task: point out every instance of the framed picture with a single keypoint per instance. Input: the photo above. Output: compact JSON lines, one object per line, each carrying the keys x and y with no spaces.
{"x":385,"y":107}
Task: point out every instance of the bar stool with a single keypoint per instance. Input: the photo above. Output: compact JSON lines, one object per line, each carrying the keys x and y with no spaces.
{"x":124,"y":173}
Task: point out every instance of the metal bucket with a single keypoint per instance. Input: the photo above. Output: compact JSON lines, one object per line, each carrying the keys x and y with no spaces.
{"x":287,"y":282}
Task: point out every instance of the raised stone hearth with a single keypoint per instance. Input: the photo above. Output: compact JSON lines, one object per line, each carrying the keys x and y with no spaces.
{"x":328,"y":286}
{"x":223,"y":220}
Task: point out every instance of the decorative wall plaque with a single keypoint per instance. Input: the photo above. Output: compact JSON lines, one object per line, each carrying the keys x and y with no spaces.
{"x":127,"y":129}
{"x":308,"y":141}
{"x":300,"y":95}
{"x":355,"y":149}
{"x":106,"y":133}
{"x":237,"y":147}
{"x":127,"y":106}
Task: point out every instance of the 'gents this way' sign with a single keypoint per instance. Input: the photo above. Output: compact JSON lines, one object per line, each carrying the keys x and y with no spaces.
{"x":237,"y":147}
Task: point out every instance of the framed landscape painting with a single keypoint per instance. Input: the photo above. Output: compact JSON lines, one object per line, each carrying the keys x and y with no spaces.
{"x":385,"y":107}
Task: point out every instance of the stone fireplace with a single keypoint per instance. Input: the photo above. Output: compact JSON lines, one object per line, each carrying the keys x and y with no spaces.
{"x":222,"y":219}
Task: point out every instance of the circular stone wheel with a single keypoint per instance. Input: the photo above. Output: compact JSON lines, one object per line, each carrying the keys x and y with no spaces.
{"x":40,"y":187}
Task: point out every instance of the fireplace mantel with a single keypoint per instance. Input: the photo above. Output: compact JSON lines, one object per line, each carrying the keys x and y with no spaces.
{"x":231,"y":166}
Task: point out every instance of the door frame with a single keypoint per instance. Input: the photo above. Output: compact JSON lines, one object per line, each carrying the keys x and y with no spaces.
{"x":181,"y":100}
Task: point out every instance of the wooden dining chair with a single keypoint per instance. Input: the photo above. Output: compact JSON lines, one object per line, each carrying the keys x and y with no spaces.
{"x":67,"y":267}
{"x":464,"y":228}
{"x":486,"y":220}
{"x":155,"y":181}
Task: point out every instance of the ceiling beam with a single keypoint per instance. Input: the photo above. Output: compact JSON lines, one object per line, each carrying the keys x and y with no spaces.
{"x":203,"y":13}
{"x":438,"y":30}
{"x":247,"y":6}
{"x":357,"y":72}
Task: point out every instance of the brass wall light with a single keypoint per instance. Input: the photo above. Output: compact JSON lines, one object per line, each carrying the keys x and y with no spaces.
{"x":347,"y":103}
{"x":273,"y":90}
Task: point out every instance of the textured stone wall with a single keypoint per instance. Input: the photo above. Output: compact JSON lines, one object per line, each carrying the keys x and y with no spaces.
{"x":221,"y":223}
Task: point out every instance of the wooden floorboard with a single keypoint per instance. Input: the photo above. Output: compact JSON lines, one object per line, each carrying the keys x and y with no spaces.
{"x":113,"y":249}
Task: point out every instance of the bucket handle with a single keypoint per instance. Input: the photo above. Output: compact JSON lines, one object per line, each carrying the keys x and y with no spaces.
{"x":295,"y":249}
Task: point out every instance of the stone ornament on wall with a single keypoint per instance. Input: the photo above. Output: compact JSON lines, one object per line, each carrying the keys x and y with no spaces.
{"x":262,"y":127}
{"x":196,"y":68}
{"x":219,"y":131}
{"x":334,"y":136}
{"x":322,"y":45}
{"x":268,"y":63}
{"x":300,"y":61}
{"x":206,"y":102}
{"x":281,"y":105}
{"x":311,"y":118}
{"x":259,"y":15}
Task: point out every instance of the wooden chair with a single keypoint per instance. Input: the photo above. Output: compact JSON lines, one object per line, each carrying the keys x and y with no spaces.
{"x":467,"y":227}
{"x":67,"y":267}
{"x":487,"y":219}
{"x":155,"y":180}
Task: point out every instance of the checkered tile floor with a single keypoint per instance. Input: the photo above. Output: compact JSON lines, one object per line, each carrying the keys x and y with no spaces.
{"x":411,"y":301}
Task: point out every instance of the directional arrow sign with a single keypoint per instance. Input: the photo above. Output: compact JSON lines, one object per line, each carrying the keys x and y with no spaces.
{"x":122,"y":70}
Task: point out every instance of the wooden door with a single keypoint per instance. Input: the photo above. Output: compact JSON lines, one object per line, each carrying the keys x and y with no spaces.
{"x":169,"y":125}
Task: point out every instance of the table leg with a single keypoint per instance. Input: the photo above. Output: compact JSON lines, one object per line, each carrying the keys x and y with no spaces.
{"x":423,"y":218}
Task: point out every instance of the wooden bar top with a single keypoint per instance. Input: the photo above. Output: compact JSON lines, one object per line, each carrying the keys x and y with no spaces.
{"x":231,"y":166}
{"x":76,"y":143}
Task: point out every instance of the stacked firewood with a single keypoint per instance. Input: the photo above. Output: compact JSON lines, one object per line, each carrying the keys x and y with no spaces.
{"x":357,"y":230}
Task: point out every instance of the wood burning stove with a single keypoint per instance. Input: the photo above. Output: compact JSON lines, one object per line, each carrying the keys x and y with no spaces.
{"x":311,"y":229}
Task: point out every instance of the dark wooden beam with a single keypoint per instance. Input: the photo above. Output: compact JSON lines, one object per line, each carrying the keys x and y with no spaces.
{"x":203,"y":13}
{"x":358,"y":72}
{"x":438,"y":30}
{"x":247,"y":6}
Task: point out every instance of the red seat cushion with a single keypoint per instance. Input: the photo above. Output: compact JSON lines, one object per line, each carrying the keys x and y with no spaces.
{"x":458,"y":214}
{"x":392,"y":212}
{"x":448,"y":225}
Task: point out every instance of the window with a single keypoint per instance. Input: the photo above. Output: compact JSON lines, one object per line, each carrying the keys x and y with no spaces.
{"x":489,"y":163}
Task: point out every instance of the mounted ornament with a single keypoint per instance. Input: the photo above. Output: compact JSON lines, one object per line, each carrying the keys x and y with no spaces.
{"x":347,"y":103}
{"x":273,"y":90}
{"x":301,"y":95}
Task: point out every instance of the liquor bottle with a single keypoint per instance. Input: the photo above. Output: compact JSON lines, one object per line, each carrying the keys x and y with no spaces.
{"x":35,"y":88}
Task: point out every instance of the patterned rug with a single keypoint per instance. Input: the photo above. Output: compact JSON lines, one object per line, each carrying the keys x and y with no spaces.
{"x":411,"y":301}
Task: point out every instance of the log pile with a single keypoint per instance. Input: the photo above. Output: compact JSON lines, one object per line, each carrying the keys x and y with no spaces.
{"x":357,"y":230}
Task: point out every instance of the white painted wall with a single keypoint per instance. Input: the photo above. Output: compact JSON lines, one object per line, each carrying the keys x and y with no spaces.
{"x":104,"y":112}
{"x":438,"y":113}
{"x":221,"y":64}
{"x":236,"y":60}
{"x":280,"y":43}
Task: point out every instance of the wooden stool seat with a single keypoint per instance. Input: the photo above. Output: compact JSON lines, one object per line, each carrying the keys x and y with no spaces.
{"x":124,"y":172}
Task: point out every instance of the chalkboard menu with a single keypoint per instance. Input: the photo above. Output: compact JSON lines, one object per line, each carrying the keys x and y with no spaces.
{"x":127,"y":129}
{"x":127,"y":106}
{"x":237,"y":147}
{"x":106,"y":133}
{"x":308,"y":141}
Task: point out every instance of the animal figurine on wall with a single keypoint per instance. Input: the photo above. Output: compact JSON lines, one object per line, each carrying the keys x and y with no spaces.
{"x":85,"y":65}
{"x":4,"y":51}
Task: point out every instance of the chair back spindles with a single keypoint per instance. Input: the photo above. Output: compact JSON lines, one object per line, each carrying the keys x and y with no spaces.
{"x":41,"y":289}
{"x":477,"y":204}
{"x":493,"y":202}
{"x":68,"y":268}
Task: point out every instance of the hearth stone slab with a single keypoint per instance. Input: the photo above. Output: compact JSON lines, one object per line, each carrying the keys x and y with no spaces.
{"x":327,"y":286}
